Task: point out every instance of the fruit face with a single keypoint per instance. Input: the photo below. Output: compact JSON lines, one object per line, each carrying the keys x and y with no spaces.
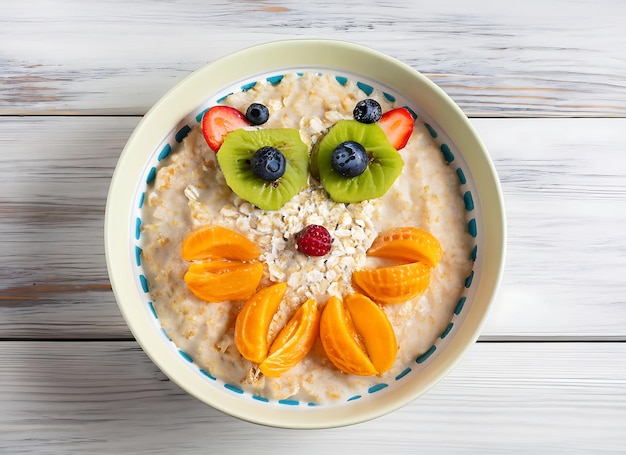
{"x":384,"y":162}
{"x":294,"y":341}
{"x":268,"y":163}
{"x":349,"y":159}
{"x":211,"y":242}
{"x":407,"y":244}
{"x":394,"y":284}
{"x":222,"y":280}
{"x":257,"y":114}
{"x":314,"y":240}
{"x":253,"y":322}
{"x":235,"y":157}
{"x":218,"y":121}
{"x":367,"y":111}
{"x":398,"y":125}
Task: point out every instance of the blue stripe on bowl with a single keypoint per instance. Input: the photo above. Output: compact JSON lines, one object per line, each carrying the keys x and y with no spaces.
{"x":446,"y":331}
{"x":411,"y":111}
{"x":447,"y":153}
{"x":138,"y":256}
{"x":165,"y":152}
{"x":389,"y":97}
{"x":367,"y":89}
{"x":142,"y":198}
{"x":468,"y":280}
{"x":403,"y":373}
{"x":289,"y":402}
{"x":258,"y":398}
{"x":459,"y":305}
{"x":431,"y":130}
{"x":461,"y":175}
{"x":275,"y":80}
{"x":246,"y":87}
{"x":200,"y":115}
{"x":138,"y":228}
{"x":154,"y":313}
{"x":224,"y":97}
{"x":377,"y":387}
{"x":233,"y":388}
{"x":144,"y":283}
{"x":474,"y":252}
{"x":208,"y":375}
{"x":424,"y":356}
{"x":185,"y":356}
{"x":342,"y":80}
{"x":182,"y":133}
{"x":469,"y":201}
{"x":355,"y":397}
{"x":471,"y":227}
{"x":151,"y":176}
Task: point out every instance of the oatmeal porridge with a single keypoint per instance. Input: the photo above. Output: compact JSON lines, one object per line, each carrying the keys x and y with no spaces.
{"x":190,"y":191}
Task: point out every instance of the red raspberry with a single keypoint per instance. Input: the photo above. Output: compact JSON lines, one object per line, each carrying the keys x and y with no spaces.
{"x":314,"y":240}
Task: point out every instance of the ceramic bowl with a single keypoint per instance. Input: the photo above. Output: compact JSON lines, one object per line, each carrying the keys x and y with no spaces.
{"x":180,"y":110}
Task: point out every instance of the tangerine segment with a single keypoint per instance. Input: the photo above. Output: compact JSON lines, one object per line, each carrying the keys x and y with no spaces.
{"x":372,"y":324}
{"x":395,"y":284}
{"x":294,"y":341}
{"x":341,"y":342}
{"x":253,"y":322}
{"x":407,"y":244}
{"x":209,"y":242}
{"x":221,"y":280}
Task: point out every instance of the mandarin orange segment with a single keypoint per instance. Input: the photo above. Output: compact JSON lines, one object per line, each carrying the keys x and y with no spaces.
{"x":221,"y":280}
{"x":395,"y":284}
{"x":341,"y":342}
{"x":407,"y":244}
{"x":372,"y":324}
{"x":209,"y":242}
{"x":294,"y":341}
{"x":253,"y":322}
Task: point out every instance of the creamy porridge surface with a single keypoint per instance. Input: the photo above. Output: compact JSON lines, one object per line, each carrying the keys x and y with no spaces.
{"x":190,"y":191}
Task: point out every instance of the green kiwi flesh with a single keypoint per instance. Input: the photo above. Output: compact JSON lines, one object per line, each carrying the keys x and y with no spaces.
{"x":384,"y":166}
{"x":234,"y":160}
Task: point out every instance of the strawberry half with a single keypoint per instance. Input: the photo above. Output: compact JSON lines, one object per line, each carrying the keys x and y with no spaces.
{"x":218,"y":121}
{"x":398,"y":125}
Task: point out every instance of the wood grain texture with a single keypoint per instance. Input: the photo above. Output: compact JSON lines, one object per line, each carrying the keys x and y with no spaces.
{"x":73,"y":381}
{"x":69,"y":397}
{"x":547,"y":58}
{"x":564,"y":187}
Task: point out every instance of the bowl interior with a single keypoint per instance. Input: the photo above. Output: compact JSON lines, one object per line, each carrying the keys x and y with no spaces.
{"x":177,"y":113}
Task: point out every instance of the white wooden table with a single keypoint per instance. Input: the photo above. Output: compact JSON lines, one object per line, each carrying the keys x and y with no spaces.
{"x":544,"y":81}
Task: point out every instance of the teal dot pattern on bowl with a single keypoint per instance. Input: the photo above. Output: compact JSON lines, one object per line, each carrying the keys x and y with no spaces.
{"x":177,"y":136}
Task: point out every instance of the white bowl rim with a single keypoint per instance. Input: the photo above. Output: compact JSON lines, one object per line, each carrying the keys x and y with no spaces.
{"x":178,"y":102}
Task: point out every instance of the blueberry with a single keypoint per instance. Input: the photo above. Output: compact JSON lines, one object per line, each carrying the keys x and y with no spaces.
{"x":367,"y":111}
{"x":268,"y":163}
{"x":257,"y":114}
{"x":349,"y":159}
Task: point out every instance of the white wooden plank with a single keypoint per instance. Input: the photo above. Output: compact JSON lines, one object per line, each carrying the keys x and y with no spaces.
{"x":53,"y":187}
{"x":514,"y":398}
{"x":538,"y":57}
{"x":563,"y":182}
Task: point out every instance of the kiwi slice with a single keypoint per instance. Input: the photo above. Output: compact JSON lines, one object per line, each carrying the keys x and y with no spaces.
{"x":383,"y":167}
{"x":235,"y":158}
